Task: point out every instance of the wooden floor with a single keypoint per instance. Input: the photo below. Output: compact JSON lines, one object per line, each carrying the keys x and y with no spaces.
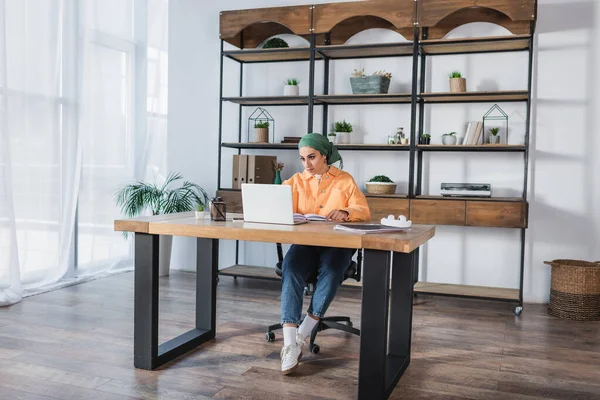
{"x":76,"y":343}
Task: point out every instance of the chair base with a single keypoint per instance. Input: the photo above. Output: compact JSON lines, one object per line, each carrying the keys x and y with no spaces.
{"x":324,"y":323}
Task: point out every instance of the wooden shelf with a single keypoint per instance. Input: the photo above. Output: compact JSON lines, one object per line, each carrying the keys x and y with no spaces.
{"x":269,"y":100}
{"x":345,"y":51}
{"x":475,"y":45}
{"x":431,"y":197}
{"x":294,"y":146}
{"x":270,"y":55}
{"x":389,"y":98}
{"x":475,"y":97}
{"x":474,"y":148}
{"x":388,"y":196}
{"x":482,"y":292}
{"x":268,"y":273}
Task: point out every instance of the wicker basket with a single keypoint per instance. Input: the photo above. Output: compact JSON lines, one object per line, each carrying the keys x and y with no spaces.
{"x":575,"y":290}
{"x":380,"y":187}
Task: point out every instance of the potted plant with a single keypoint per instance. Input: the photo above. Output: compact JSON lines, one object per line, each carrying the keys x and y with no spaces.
{"x":458,"y":84}
{"x":425,"y":138}
{"x":381,"y":184}
{"x":291,"y":87}
{"x":449,"y":138}
{"x":494,"y":138}
{"x":261,"y":131}
{"x":275,"y":43}
{"x":278,"y":166}
{"x":377,"y":83}
{"x":331,"y":136}
{"x":343,"y":130}
{"x":140,"y":197}
{"x":200,"y":211}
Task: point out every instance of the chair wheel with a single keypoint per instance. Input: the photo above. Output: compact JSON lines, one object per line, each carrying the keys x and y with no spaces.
{"x":518,"y":310}
{"x":270,"y":336}
{"x":315,"y":349}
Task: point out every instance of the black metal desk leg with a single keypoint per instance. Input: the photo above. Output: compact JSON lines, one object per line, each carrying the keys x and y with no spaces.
{"x":373,"y":325}
{"x":401,"y":314}
{"x":148,"y":354}
{"x":145,"y":331}
{"x":207,"y":264}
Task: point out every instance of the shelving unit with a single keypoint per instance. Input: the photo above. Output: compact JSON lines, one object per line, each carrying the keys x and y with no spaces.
{"x":424,"y":23}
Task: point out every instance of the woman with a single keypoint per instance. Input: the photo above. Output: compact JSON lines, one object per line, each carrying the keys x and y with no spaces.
{"x":325,"y":190}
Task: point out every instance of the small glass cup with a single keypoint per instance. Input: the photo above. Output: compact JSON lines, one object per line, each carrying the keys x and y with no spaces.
{"x":218,"y":210}
{"x":391,"y":139}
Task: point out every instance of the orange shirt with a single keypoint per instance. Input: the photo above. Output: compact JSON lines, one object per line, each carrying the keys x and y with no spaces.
{"x":336,"y":190}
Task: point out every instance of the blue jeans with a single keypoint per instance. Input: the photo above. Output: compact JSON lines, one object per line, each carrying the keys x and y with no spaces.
{"x":298,"y":264}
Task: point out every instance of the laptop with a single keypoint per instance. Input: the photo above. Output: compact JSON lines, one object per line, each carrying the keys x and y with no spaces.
{"x":269,"y":204}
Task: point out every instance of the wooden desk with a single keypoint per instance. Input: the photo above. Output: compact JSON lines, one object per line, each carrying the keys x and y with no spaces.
{"x":384,"y":348}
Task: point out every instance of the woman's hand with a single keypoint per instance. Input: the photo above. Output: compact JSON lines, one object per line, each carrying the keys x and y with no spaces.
{"x":338,"y":215}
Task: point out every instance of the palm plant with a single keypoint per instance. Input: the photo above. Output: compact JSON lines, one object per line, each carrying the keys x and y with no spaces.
{"x":135,"y":198}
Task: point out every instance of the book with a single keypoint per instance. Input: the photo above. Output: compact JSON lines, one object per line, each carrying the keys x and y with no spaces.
{"x":309,"y":217}
{"x":367,"y":228}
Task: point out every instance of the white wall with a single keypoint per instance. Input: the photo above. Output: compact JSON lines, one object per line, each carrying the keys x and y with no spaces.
{"x":564,"y":178}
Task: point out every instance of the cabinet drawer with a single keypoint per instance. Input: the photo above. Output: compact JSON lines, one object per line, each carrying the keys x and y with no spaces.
{"x":437,"y":212}
{"x":383,"y":206}
{"x":500,"y":214}
{"x":233,"y":200}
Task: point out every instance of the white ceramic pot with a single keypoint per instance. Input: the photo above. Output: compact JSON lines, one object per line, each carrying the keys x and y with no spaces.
{"x":449,"y":139}
{"x":291,"y":90}
{"x":165,"y":243}
{"x":331,"y":138}
{"x":200,"y":214}
{"x":343,"y":138}
{"x":494,"y":139}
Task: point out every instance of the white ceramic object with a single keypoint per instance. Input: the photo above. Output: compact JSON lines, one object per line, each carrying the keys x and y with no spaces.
{"x":291,"y":90}
{"x":449,"y":139}
{"x":401,"y":222}
{"x":343,"y":138}
{"x":200,"y":214}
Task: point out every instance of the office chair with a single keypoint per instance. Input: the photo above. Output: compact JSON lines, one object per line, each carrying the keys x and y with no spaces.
{"x":334,"y":322}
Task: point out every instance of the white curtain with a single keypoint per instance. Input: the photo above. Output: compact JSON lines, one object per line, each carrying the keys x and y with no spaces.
{"x":82,"y":111}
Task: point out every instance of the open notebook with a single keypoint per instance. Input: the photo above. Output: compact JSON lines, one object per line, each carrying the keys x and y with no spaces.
{"x":308,"y":217}
{"x":367,"y":228}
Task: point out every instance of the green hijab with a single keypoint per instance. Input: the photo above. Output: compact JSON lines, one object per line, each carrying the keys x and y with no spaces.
{"x":324,"y":146}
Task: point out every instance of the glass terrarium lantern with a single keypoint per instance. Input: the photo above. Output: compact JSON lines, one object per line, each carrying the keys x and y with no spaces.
{"x":495,"y":126}
{"x":263,"y":125}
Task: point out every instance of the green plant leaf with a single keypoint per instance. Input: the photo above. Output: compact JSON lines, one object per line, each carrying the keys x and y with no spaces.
{"x":381,"y":178}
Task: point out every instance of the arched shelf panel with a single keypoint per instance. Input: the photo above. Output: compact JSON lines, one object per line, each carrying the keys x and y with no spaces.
{"x":442,"y":16}
{"x":249,"y":28}
{"x":341,"y":21}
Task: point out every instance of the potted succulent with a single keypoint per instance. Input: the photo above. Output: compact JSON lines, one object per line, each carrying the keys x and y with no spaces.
{"x":200,"y":211}
{"x":343,"y":130}
{"x":331,"y":136}
{"x":377,"y":83}
{"x":381,"y":184}
{"x":291,"y":87}
{"x":139,"y":197}
{"x":458,"y":84}
{"x":494,"y":138}
{"x":449,"y":138}
{"x":425,"y":138}
{"x":275,"y":43}
{"x":261,"y":132}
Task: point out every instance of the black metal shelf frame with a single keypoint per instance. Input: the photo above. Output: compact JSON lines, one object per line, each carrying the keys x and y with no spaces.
{"x":417,"y":100}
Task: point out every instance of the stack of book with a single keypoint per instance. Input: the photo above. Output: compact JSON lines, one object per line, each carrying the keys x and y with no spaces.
{"x":290,"y":139}
{"x":474,"y":134}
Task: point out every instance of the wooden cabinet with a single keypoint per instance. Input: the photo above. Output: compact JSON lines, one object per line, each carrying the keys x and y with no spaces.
{"x":437,"y":212}
{"x":498,"y":214}
{"x":383,"y":206}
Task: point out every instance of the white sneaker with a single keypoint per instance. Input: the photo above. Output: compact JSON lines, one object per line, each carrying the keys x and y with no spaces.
{"x":290,"y":355}
{"x":301,"y":342}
